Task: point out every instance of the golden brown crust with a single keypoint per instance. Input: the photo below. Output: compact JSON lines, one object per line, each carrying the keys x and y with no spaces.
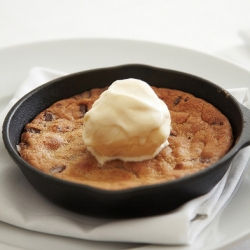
{"x":53,"y":143}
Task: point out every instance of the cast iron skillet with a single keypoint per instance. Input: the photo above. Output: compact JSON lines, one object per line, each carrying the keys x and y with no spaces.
{"x":134,"y":202}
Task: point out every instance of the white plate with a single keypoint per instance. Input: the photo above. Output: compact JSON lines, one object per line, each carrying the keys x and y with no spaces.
{"x":233,"y":223}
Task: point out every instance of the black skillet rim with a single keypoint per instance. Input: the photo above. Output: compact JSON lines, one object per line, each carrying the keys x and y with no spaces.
{"x":17,"y":158}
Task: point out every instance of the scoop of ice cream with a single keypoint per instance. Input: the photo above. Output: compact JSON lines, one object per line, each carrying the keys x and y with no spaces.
{"x":128,"y":122}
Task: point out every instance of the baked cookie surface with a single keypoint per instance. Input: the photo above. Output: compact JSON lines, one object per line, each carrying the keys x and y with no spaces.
{"x":53,"y":143}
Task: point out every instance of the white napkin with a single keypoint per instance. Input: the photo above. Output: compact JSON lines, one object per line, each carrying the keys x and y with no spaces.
{"x":22,"y":206}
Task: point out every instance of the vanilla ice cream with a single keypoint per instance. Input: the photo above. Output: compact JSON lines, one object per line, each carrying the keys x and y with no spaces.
{"x":128,"y":122}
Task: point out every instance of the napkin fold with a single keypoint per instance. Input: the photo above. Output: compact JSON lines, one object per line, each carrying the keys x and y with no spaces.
{"x":22,"y":206}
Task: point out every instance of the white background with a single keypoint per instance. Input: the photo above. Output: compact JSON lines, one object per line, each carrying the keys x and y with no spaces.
{"x":217,"y":27}
{"x":209,"y":26}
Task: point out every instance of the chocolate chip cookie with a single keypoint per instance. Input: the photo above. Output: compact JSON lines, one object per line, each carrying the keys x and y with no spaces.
{"x":53,"y":143}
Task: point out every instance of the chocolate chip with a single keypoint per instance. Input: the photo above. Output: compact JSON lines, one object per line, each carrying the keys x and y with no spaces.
{"x":33,"y":130}
{"x":53,"y":142}
{"x":186,"y":99}
{"x":48,"y":116}
{"x":62,"y":128}
{"x":179,"y":166}
{"x":217,"y":123}
{"x":83,"y":108}
{"x":177,"y":100}
{"x":57,"y":169}
{"x":173,"y":133}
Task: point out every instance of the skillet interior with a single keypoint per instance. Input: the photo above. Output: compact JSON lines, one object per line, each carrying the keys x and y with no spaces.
{"x":141,"y":201}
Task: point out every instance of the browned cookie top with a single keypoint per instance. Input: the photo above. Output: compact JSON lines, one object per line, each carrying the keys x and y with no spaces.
{"x":53,"y":143}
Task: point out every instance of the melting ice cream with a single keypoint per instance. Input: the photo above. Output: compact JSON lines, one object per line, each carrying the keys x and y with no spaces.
{"x":128,"y":122}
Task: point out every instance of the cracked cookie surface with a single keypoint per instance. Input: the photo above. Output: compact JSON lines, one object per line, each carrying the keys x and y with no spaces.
{"x":53,"y":143}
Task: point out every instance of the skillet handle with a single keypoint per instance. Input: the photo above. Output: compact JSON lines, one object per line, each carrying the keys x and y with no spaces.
{"x":245,"y":138}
